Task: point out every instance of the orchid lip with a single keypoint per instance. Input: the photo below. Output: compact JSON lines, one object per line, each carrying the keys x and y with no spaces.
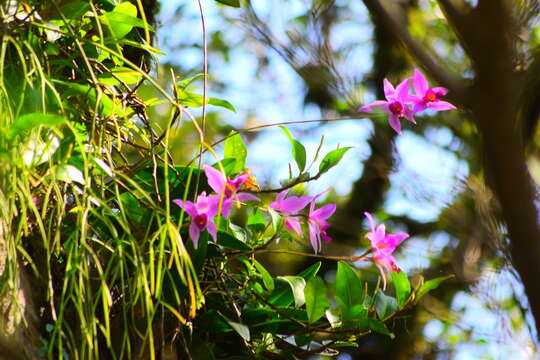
{"x":201,"y":221}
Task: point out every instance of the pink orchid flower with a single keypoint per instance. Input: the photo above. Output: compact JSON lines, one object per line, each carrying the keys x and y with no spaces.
{"x":426,"y":97}
{"x":227,"y":189}
{"x":290,"y":206}
{"x":317,"y":223}
{"x":382,"y":246}
{"x":202,"y":213}
{"x":395,"y":104}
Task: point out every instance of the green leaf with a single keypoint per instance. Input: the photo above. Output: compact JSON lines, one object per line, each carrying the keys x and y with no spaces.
{"x":378,"y":326}
{"x":266,"y":277}
{"x":184,"y":83}
{"x":256,"y":221}
{"x":348,"y":286}
{"x":233,"y":3}
{"x":229,"y":242}
{"x":29,"y":121}
{"x":222,"y":103}
{"x":311,"y":271}
{"x":316,"y":299}
{"x":229,"y":164}
{"x":235,"y":148}
{"x":385,"y":305}
{"x":352,"y":315}
{"x":241,"y":329}
{"x":277,"y":220}
{"x":340,"y":344}
{"x":332,"y":159}
{"x":431,"y":285}
{"x":298,"y":150}
{"x":297,"y":284}
{"x":126,"y":75}
{"x":107,"y":106}
{"x":122,"y":20}
{"x":75,"y":10}
{"x":282,"y":295}
{"x":403,"y":287}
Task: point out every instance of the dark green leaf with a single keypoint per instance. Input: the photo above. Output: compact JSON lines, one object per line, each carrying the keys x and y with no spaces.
{"x":351,"y":316}
{"x":385,"y":305}
{"x":332,"y":159}
{"x":431,"y":285}
{"x":233,"y":3}
{"x":316,"y":299}
{"x":303,"y":339}
{"x":235,"y":148}
{"x":298,"y":150}
{"x":403,"y":287}
{"x":266,"y":277}
{"x":282,"y":295}
{"x":339,"y":344}
{"x":348,"y":287}
{"x":241,"y":329}
{"x":378,"y":326}
{"x":29,"y":121}
{"x":75,"y":10}
{"x":297,"y":284}
{"x":230,"y":242}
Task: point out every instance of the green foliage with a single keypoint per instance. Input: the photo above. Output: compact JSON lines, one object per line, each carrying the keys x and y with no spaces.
{"x":402,"y":286}
{"x":316,"y":299}
{"x":233,"y":3}
{"x":298,"y":150}
{"x":236,"y":149}
{"x":332,"y":159}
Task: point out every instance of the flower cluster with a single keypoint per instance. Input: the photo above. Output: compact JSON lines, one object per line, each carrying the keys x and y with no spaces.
{"x":228,"y":192}
{"x":316,"y":220}
{"x":400,"y":103}
{"x":382,"y":247}
{"x":203,"y":211}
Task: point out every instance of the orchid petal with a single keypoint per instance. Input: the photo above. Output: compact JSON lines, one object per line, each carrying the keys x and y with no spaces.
{"x":314,"y":236}
{"x":419,"y":106}
{"x":383,"y":276}
{"x":409,"y":115}
{"x":281,"y":196}
{"x":215,"y":178}
{"x":194,"y":233}
{"x":244,"y":196}
{"x":388,"y":90}
{"x":294,"y":204}
{"x":188,"y":207}
{"x":211,"y":227}
{"x":394,"y":240}
{"x":369,"y":107}
{"x":394,"y":123}
{"x":441,"y":106}
{"x":402,"y":91}
{"x":293,"y":223}
{"x":420,"y":83}
{"x":324,"y":212}
{"x":325,"y":237}
{"x":370,"y":219}
{"x":439,"y":90}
